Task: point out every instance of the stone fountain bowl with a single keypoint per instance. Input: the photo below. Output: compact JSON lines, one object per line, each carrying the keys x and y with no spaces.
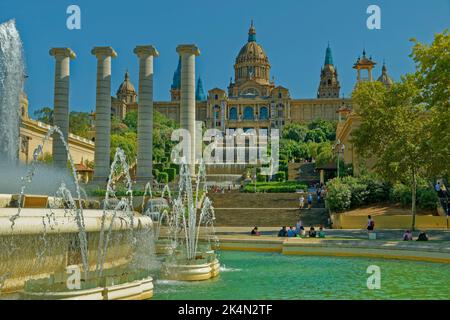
{"x":113,"y":285}
{"x":205,"y":266}
{"x":46,"y":241}
{"x":42,"y":201}
{"x":164,"y":247}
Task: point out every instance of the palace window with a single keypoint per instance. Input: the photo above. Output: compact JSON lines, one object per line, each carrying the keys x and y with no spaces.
{"x":233,"y":113}
{"x":248,"y":113}
{"x":263,"y":113}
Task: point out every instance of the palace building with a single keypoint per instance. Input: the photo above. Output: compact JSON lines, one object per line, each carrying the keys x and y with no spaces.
{"x":252,"y":99}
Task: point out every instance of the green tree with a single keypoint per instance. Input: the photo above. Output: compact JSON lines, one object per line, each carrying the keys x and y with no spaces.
{"x":326,"y":126}
{"x":126,"y":141}
{"x":131,"y":120}
{"x":315,"y":135}
{"x":79,"y":123}
{"x":394,"y":130}
{"x":432,"y":77}
{"x":44,"y":115}
{"x":294,"y":131}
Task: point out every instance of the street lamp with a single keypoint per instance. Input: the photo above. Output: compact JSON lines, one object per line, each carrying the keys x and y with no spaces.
{"x":338,"y":148}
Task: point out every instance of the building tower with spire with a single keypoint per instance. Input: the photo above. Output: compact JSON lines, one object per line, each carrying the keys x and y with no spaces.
{"x":329,"y":86}
{"x":176,"y":83}
{"x":385,"y":78}
{"x":199,"y":93}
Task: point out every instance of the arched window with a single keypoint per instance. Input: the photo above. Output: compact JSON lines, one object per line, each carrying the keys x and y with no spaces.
{"x":217,"y":116}
{"x":216,"y":112}
{"x":248,"y":113}
{"x":233,"y":113}
{"x":280,"y":110}
{"x":263,"y":113}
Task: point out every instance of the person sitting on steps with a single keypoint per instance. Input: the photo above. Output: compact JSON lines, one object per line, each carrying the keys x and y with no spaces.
{"x":312,"y":232}
{"x":282,"y":232}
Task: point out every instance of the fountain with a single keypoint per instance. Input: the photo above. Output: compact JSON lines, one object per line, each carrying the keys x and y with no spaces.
{"x":12,"y":75}
{"x":189,"y":214}
{"x":39,"y":246}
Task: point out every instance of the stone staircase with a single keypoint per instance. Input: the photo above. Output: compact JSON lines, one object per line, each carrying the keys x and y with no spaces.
{"x":264,"y":210}
{"x":303,"y":172}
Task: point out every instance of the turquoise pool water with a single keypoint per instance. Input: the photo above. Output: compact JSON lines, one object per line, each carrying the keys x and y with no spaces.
{"x":250,"y":275}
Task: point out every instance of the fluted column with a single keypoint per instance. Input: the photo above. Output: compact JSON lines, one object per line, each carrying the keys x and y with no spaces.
{"x":188,"y":52}
{"x":61,"y":103}
{"x":145,"y":112}
{"x":103,"y":112}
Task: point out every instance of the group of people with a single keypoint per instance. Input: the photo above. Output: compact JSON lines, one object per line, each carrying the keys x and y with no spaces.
{"x":300,"y":232}
{"x":321,"y":191}
{"x":309,"y":199}
{"x":408,"y":236}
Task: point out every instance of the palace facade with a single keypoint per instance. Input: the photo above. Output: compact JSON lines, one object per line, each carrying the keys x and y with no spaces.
{"x":252,"y":100}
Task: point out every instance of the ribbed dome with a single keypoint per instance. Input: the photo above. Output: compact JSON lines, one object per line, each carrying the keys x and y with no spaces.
{"x":126,"y":87}
{"x":252,"y":62}
{"x":251,"y":51}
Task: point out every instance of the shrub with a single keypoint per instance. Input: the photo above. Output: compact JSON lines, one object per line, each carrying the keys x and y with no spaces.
{"x":261,"y":178}
{"x":427,"y":198}
{"x":358,"y":191}
{"x":377,"y":190}
{"x":275,"y":187}
{"x":163,"y":177}
{"x":159,"y":166}
{"x":339,"y":196}
{"x":155,"y":173}
{"x":176,"y":167}
{"x":401,"y":193}
{"x":280,"y":176}
{"x":171,"y":173}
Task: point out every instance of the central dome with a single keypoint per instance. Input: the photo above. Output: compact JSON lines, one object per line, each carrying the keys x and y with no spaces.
{"x":252,"y":62}
{"x":251,"y":51}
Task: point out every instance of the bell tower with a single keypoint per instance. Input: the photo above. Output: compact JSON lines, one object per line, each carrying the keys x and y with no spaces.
{"x":329,"y":86}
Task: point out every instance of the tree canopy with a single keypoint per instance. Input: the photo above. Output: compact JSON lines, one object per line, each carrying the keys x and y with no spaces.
{"x":406,"y":128}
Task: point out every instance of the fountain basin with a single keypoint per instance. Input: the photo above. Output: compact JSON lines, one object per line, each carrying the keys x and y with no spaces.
{"x":164,"y":247}
{"x":44,"y":242}
{"x":204,"y":267}
{"x":135,"y":290}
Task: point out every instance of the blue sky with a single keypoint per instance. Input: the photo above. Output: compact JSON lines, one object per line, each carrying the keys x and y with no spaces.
{"x":294,"y":34}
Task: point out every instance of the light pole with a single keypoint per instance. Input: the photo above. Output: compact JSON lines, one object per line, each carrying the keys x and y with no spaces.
{"x":338,"y":148}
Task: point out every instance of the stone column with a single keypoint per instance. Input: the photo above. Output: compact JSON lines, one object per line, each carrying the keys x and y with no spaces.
{"x":103,"y":113}
{"x":145,"y":112}
{"x":188,"y":52}
{"x":61,"y":103}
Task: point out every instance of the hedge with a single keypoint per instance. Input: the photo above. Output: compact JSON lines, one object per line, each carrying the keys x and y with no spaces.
{"x":275,"y":187}
{"x":171,"y":173}
{"x":176,"y":167}
{"x":280,"y":176}
{"x":163,"y":177}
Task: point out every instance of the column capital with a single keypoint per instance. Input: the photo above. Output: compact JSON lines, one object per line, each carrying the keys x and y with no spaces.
{"x":188,"y":48}
{"x":62,"y":52}
{"x":104,"y":51}
{"x":144,"y":51}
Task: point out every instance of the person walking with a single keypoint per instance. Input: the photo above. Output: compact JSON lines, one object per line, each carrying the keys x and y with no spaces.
{"x":370,"y":223}
{"x":301,"y":202}
{"x":310,"y":199}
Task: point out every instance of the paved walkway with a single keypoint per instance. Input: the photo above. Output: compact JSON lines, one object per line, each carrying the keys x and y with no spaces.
{"x":386,"y":234}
